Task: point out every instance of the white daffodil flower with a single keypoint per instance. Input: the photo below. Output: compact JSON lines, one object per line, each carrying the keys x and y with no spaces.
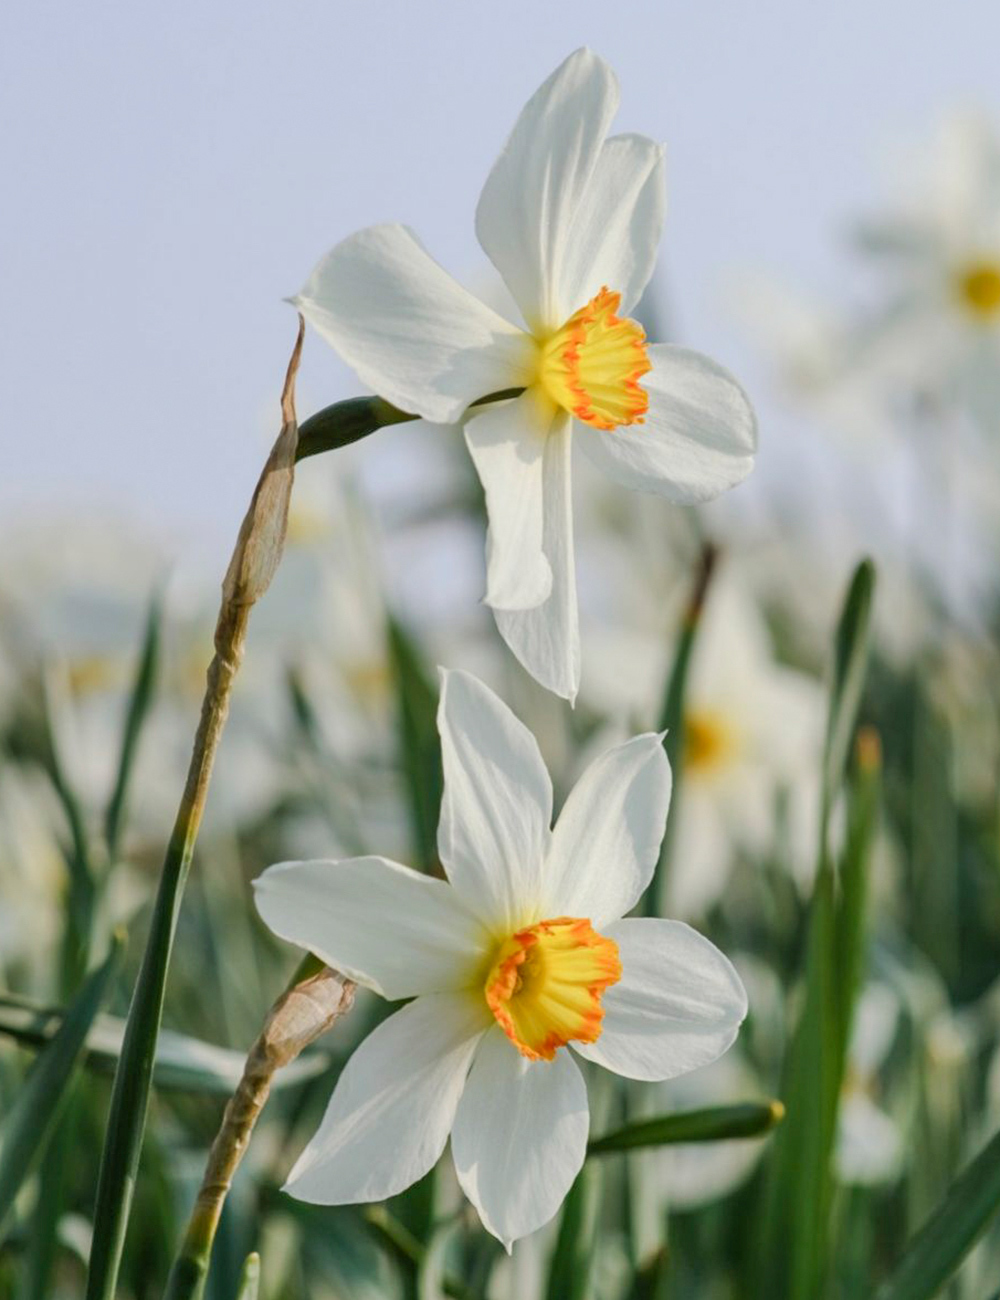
{"x":571,"y":219}
{"x":753,"y":731}
{"x":520,"y":954}
{"x":937,"y":334}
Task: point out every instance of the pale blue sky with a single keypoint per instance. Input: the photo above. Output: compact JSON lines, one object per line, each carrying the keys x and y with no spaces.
{"x":172,"y":171}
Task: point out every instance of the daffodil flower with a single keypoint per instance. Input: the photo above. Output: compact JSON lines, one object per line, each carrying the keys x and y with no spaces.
{"x":571,"y":219}
{"x":520,"y":955}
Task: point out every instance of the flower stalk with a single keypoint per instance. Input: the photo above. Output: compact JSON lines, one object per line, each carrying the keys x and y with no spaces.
{"x":253,"y":564}
{"x":296,"y":1020}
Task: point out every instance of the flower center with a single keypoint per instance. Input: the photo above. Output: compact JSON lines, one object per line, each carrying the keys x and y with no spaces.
{"x":708,"y":740}
{"x":979,"y":288}
{"x":546,"y":982}
{"x":592,"y":365}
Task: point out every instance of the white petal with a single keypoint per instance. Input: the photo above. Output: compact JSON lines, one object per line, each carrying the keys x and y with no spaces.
{"x":699,"y":438}
{"x":530,"y":197}
{"x":702,"y":852}
{"x":410,"y":331}
{"x":507,"y":444}
{"x":678,"y":1005}
{"x":606,"y":842}
{"x":390,"y":928}
{"x":546,"y":639}
{"x":615,"y":237}
{"x":869,"y":1148}
{"x":393,"y":1107}
{"x":520,"y":1136}
{"x":497,"y":806}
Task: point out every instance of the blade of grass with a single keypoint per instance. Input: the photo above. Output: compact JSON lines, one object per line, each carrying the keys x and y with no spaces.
{"x":796,"y":1207}
{"x":404,"y":1245}
{"x":417,"y":700}
{"x":249,"y":1284}
{"x":712,"y":1124}
{"x":941,"y":1244}
{"x":37,"y":1106}
{"x":671,"y":718}
{"x":139,"y":704}
{"x":849,"y":668}
{"x":570,"y":1272}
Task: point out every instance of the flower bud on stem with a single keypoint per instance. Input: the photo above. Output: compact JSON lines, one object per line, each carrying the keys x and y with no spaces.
{"x":298,"y":1018}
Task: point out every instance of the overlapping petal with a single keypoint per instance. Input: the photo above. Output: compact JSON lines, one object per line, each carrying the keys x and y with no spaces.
{"x":409,"y":330}
{"x":393,"y":1107}
{"x":520,"y":1136}
{"x":507,"y":442}
{"x":615,"y":235}
{"x":386,"y":926}
{"x":679,"y":1003}
{"x":530,"y":197}
{"x":546,"y":639}
{"x":497,"y":805}
{"x":699,"y":437}
{"x":606,"y":842}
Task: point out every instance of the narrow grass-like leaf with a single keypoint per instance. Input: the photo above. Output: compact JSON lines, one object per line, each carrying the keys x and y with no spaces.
{"x":671,"y":719}
{"x":29,"y":1122}
{"x":183,"y":1063}
{"x":799,"y":1191}
{"x":249,"y":1284}
{"x":139,"y":704}
{"x":849,"y":668}
{"x":942,"y":1243}
{"x":570,"y":1272}
{"x":402,"y":1244}
{"x":712,"y":1124}
{"x":420,"y":749}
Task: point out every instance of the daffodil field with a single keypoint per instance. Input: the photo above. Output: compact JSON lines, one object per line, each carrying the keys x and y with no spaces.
{"x":538,"y":874}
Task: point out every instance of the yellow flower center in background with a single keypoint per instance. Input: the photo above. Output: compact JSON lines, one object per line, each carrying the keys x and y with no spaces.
{"x":708,"y":740}
{"x":592,"y":366}
{"x":546,"y":983}
{"x":979,"y":289}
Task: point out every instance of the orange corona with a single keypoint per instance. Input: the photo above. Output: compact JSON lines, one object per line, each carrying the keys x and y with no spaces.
{"x":546,"y":983}
{"x":592,"y":365}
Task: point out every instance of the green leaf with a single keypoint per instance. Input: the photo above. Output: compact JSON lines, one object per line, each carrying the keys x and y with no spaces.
{"x":849,"y":668}
{"x":249,"y":1284}
{"x":712,"y":1124}
{"x":140,"y":702}
{"x":799,"y":1189}
{"x":402,"y":1244}
{"x":30,"y":1121}
{"x":183,"y":1063}
{"x":417,"y":699}
{"x":570,"y":1271}
{"x":940,"y":1245}
{"x":671,"y":718}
